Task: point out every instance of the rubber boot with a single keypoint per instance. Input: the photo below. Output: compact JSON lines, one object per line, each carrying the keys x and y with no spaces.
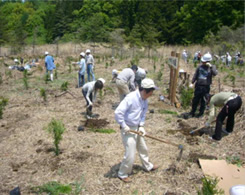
{"x":51,"y":77}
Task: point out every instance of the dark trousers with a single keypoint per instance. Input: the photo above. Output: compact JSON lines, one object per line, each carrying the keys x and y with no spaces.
{"x":90,"y":97}
{"x":233,"y":106}
{"x":199,"y":94}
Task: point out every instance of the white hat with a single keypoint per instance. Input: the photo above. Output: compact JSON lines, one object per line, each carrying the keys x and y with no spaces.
{"x":16,"y":60}
{"x":181,"y":70}
{"x":88,"y":51}
{"x":206,"y":58}
{"x":102,"y":80}
{"x":148,"y":83}
{"x":46,"y":52}
{"x":82,"y":54}
{"x":114,"y":72}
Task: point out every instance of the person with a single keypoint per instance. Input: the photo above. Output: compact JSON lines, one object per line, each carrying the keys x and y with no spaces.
{"x":87,"y":90}
{"x":228,"y":59}
{"x":126,"y":77}
{"x":231,"y":103}
{"x":90,"y":64}
{"x":115,"y":73}
{"x":81,"y":71}
{"x":140,"y":75}
{"x":202,"y":79}
{"x":130,"y":115}
{"x":184,"y":56}
{"x":49,"y":64}
{"x":199,"y":56}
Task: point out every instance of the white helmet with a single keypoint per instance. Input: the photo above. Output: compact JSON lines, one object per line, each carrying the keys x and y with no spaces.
{"x":102,"y":80}
{"x":88,"y":51}
{"x":148,"y":83}
{"x":16,"y":60}
{"x":82,"y":54}
{"x":206,"y":57}
{"x":46,"y":52}
{"x":114,"y":72}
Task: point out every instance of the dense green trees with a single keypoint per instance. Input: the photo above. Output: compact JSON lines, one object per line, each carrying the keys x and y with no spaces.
{"x":143,"y":22}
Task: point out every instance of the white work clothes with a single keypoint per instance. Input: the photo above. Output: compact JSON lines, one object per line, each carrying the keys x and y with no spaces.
{"x":82,"y":66}
{"x":89,"y":88}
{"x":128,"y":76}
{"x":131,"y":142}
{"x":140,"y":74}
{"x":89,"y":59}
{"x":132,"y":110}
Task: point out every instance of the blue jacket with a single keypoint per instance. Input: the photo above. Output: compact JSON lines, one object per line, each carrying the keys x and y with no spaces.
{"x":49,"y":62}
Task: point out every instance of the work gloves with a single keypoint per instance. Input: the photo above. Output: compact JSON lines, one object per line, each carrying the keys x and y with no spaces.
{"x":126,"y":129}
{"x":142,"y":131}
{"x":90,"y":104}
{"x":208,"y":64}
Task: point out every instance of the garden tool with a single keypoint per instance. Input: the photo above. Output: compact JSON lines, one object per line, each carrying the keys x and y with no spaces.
{"x":164,"y":141}
{"x":196,"y":130}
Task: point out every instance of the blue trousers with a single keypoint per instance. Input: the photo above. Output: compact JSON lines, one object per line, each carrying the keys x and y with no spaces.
{"x":90,"y":72}
{"x":81,"y":80}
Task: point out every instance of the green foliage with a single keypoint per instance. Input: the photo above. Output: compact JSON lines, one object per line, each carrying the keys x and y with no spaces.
{"x":106,"y":65}
{"x":3,"y":103}
{"x":53,"y":188}
{"x":107,"y":131}
{"x":64,"y":86}
{"x":46,"y":78}
{"x":210,"y":187}
{"x":25,"y":79}
{"x":43,"y":94}
{"x":159,"y":76}
{"x":135,"y":60}
{"x":186,"y":95}
{"x":8,"y":73}
{"x":78,"y":186}
{"x":56,"y":128}
{"x":235,"y":160}
{"x":70,"y":68}
{"x":167,"y":112}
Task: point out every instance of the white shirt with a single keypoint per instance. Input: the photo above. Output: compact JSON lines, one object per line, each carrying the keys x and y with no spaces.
{"x":89,"y":59}
{"x":132,"y":110}
{"x":89,"y":88}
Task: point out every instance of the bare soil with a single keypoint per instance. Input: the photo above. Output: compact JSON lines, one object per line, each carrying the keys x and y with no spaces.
{"x":27,"y":156}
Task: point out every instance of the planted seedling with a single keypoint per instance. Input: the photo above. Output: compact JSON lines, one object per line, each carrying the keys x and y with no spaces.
{"x":3,"y":103}
{"x":25,"y":79}
{"x":64,"y":86}
{"x":56,"y":128}
{"x":210,"y":186}
{"x":43,"y":94}
{"x":186,"y":95}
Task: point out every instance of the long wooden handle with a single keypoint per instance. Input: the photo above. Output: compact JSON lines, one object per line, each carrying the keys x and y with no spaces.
{"x":193,"y":131}
{"x":155,"y":138}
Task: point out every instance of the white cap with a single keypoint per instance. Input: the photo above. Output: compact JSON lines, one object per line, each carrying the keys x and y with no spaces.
{"x":88,"y":51}
{"x":16,"y":60}
{"x":46,"y":52}
{"x":181,"y":70}
{"x":82,"y":54}
{"x":102,"y":80}
{"x":114,"y":72}
{"x":148,"y":83}
{"x":206,"y":58}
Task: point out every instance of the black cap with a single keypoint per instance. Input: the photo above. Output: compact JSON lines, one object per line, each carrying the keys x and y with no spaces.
{"x":134,"y":67}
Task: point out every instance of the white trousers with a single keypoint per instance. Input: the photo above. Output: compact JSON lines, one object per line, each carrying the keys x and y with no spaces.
{"x":131,"y":142}
{"x":123,"y":89}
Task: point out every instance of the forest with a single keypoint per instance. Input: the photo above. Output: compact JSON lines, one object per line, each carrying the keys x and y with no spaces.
{"x":136,"y":22}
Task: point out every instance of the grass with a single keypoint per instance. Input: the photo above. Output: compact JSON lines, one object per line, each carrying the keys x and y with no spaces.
{"x":106,"y":131}
{"x":210,"y":187}
{"x":235,"y":160}
{"x":3,"y":103}
{"x":53,"y":188}
{"x":167,"y":112}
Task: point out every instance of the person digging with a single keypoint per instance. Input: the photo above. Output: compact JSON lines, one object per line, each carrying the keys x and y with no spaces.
{"x":88,"y":89}
{"x":231,"y":103}
{"x":130,"y":115}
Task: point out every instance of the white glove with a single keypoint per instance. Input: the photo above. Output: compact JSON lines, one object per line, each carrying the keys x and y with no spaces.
{"x":210,"y":65}
{"x":142,"y":130}
{"x":207,"y":124}
{"x":126,"y":129}
{"x":90,"y":104}
{"x":191,"y":85}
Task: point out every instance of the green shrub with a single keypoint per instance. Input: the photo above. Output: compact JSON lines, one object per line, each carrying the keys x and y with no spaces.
{"x":56,"y":128}
{"x":186,"y":95}
{"x":159,"y":76}
{"x":64,"y":86}
{"x":43,"y":94}
{"x":106,"y":65}
{"x":53,"y":188}
{"x":107,"y":131}
{"x":235,"y":160}
{"x":3,"y":103}
{"x":209,"y":187}
{"x":46,"y":78}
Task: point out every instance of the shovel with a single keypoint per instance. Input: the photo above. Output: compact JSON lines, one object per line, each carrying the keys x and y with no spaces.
{"x":196,"y":130}
{"x":164,"y":141}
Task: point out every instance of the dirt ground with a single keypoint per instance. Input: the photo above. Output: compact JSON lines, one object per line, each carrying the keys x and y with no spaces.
{"x":27,"y":158}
